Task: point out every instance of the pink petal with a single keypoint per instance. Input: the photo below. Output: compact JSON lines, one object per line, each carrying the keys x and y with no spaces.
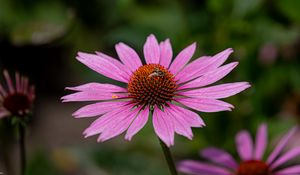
{"x":9,"y":81}
{"x":3,"y":113}
{"x":205,"y":105}
{"x":261,"y":142}
{"x":102,"y":66}
{"x":192,"y":118}
{"x":219,"y":156}
{"x":201,"y":168}
{"x":281,"y":145}
{"x":286,"y":157}
{"x":128,"y":56}
{"x":97,"y":109}
{"x":127,"y":72}
{"x":202,"y":65}
{"x":166,"y":53}
{"x":92,"y":96}
{"x":31,"y":93}
{"x":107,"y":119}
{"x":244,"y":145}
{"x":94,"y":92}
{"x":182,"y":58}
{"x":22,"y":83}
{"x":221,"y":57}
{"x":163,"y":127}
{"x":118,"y":126}
{"x":98,"y":87}
{"x":138,"y":123}
{"x":25,"y":85}
{"x":2,"y":90}
{"x":218,"y":91}
{"x":194,"y":69}
{"x":181,"y":126}
{"x":18,"y":82}
{"x":211,"y":77}
{"x":289,"y":170}
{"x":151,"y":50}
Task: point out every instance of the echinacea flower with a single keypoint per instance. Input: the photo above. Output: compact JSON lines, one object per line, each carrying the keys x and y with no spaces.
{"x":166,"y":89}
{"x":15,"y":99}
{"x":252,"y":161}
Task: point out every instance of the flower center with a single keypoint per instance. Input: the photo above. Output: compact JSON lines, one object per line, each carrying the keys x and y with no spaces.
{"x":17,"y":103}
{"x":253,"y":167}
{"x":152,"y":84}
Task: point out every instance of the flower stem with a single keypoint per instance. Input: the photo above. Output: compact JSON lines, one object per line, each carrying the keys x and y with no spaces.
{"x":168,"y":157}
{"x":22,"y":149}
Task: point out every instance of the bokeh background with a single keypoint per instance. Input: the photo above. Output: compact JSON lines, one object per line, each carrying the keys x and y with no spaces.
{"x":40,"y":39}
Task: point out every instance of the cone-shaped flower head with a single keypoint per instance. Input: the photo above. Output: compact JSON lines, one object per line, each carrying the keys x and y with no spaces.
{"x":16,"y":98}
{"x":251,"y":155}
{"x":166,"y":89}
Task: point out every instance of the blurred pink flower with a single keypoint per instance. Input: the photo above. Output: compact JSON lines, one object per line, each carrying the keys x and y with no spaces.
{"x":252,"y":162}
{"x":167,"y":89}
{"x":268,"y":54}
{"x":16,"y":100}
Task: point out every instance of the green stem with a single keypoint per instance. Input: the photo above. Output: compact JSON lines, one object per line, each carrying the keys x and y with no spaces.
{"x":168,"y":157}
{"x":22,"y":149}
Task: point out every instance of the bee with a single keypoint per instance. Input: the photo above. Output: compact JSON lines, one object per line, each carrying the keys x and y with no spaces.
{"x":157,"y":73}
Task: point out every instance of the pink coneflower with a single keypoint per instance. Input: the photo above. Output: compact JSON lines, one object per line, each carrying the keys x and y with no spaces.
{"x":252,"y":162}
{"x":167,"y":90}
{"x":16,"y":100}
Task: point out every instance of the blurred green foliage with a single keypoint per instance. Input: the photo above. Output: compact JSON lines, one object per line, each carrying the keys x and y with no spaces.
{"x":265,"y":35}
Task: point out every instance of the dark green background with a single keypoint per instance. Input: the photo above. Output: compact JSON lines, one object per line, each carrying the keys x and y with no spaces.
{"x":41,"y":38}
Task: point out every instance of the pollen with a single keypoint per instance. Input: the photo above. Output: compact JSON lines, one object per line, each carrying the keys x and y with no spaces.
{"x":253,"y":167}
{"x":17,"y":103}
{"x":114,"y":96}
{"x":152,"y":84}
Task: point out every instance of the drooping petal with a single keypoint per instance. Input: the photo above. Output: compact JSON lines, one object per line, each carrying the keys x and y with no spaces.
{"x":286,"y":157}
{"x":151,"y":50}
{"x":289,"y":170}
{"x":205,"y":105}
{"x":261,"y":142}
{"x":218,"y":91}
{"x":182,"y":58}
{"x":220,"y":157}
{"x":181,"y":126}
{"x":192,"y":118}
{"x":25,"y":85}
{"x":201,"y":168}
{"x":127,"y":72}
{"x":102,"y":66}
{"x":211,"y":77}
{"x":9,"y":81}
{"x":128,"y":56}
{"x":166,"y":53}
{"x":2,"y":90}
{"x":118,"y":126}
{"x":31,"y":93}
{"x":281,"y":145}
{"x":202,"y":65}
{"x":244,"y":145}
{"x":18,"y":89}
{"x":3,"y":113}
{"x":102,"y":122}
{"x":97,"y":109}
{"x":138,"y":123}
{"x":163,"y":127}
